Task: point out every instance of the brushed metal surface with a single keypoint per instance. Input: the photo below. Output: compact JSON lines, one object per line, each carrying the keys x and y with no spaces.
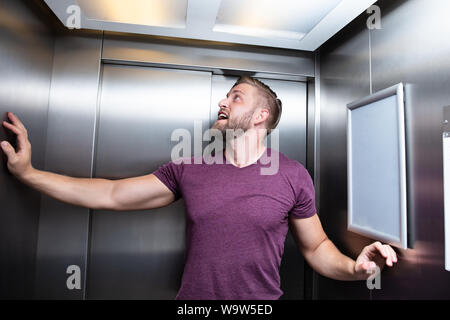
{"x":310,"y":125}
{"x":185,"y":53}
{"x":140,"y":255}
{"x":344,"y":77}
{"x":63,"y":229}
{"x":26,"y":53}
{"x":292,"y":128}
{"x":312,"y":105}
{"x":408,"y":48}
{"x":411,"y":47}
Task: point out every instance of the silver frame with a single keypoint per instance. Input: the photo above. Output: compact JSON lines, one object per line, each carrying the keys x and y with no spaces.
{"x":388,"y":92}
{"x":446,"y":168}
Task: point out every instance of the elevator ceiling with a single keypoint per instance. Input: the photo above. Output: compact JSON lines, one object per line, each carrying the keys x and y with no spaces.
{"x":290,"y":24}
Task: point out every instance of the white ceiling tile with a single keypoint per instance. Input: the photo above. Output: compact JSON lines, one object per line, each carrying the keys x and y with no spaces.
{"x":161,"y":13}
{"x":281,"y":17}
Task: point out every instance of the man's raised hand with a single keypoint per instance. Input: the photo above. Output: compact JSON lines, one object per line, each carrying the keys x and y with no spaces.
{"x":19,"y":162}
{"x":372,"y":256}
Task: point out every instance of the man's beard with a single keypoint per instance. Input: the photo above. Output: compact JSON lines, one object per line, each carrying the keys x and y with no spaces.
{"x":236,"y":127}
{"x":243,"y":123}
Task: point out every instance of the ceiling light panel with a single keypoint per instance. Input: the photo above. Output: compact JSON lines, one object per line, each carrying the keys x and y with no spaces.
{"x":290,"y":19}
{"x":158,"y":13}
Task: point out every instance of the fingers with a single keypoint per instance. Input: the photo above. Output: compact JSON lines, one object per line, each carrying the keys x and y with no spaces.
{"x":392,"y":253}
{"x":11,"y":127}
{"x":365,"y":269}
{"x":369,"y":265}
{"x":8,"y":150}
{"x":387,"y":252}
{"x":18,"y":128}
{"x":15,"y":120}
{"x":391,"y":256}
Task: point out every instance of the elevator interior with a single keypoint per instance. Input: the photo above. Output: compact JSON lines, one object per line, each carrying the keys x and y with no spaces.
{"x":104,"y":104}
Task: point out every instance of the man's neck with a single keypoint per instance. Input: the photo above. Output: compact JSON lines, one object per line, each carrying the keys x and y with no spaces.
{"x":245,"y":149}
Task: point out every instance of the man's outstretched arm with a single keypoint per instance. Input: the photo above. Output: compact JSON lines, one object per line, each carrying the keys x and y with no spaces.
{"x":138,"y":193}
{"x":323,"y":256}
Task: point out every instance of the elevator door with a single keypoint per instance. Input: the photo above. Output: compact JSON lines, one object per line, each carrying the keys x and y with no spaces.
{"x":292,"y":143}
{"x":140,"y":254}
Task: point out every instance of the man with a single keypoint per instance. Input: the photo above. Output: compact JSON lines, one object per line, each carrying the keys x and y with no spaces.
{"x":237,"y":218}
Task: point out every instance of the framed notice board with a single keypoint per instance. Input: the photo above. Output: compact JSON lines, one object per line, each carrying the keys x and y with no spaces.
{"x":376,"y":163}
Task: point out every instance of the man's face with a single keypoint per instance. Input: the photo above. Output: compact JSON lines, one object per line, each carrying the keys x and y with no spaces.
{"x":237,"y":109}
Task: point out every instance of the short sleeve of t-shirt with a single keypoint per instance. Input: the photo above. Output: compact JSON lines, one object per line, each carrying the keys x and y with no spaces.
{"x":170,"y":175}
{"x":304,"y":206}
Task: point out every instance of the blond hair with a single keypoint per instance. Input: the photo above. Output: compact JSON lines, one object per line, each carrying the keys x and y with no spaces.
{"x":271,"y":102}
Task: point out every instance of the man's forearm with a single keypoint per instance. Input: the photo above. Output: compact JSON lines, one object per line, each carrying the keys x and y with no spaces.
{"x":328,"y":261}
{"x":85,"y":192}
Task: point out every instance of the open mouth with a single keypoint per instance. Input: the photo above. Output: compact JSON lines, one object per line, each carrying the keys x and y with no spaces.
{"x":222,"y":116}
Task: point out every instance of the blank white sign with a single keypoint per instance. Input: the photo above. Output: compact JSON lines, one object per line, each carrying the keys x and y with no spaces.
{"x":377,"y":168}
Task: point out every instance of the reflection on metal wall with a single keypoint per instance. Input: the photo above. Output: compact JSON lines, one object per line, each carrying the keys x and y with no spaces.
{"x":407,"y":49}
{"x":214,"y":56}
{"x":344,"y":78}
{"x":26,"y":53}
{"x":63,"y":228}
{"x":418,"y":56}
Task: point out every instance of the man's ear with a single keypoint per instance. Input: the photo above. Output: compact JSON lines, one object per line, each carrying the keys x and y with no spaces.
{"x":262,"y":115}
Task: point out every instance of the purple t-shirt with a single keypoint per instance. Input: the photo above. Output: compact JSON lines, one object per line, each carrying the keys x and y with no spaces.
{"x":236,"y":225}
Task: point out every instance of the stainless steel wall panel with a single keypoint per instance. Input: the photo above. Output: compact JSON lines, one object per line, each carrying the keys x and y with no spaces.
{"x":63,"y":229}
{"x":140,"y":255}
{"x":344,"y":77}
{"x":205,"y":54}
{"x":409,"y":48}
{"x":412,"y":47}
{"x":311,"y":105}
{"x":26,"y":54}
{"x":310,"y":125}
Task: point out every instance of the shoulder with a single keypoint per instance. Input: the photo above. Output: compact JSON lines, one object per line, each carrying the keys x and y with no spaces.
{"x":287,"y":165}
{"x":292,"y":172}
{"x":175,"y":166}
